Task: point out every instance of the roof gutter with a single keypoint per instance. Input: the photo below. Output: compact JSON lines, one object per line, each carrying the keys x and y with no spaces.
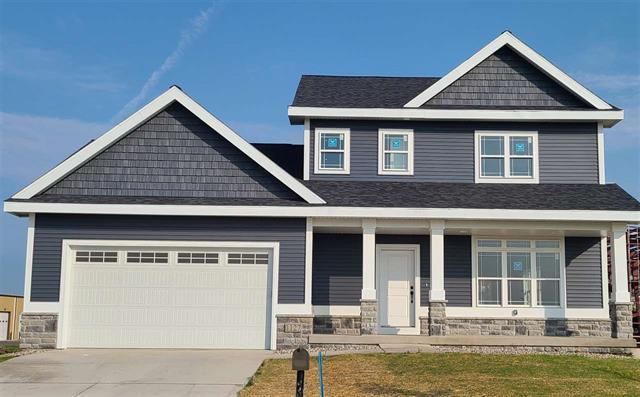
{"x":22,"y":208}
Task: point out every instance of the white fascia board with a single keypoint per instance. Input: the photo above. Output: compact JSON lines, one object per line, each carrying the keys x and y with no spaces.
{"x":173,"y":94}
{"x":507,"y":38}
{"x":608,"y":117}
{"x":323,"y":211}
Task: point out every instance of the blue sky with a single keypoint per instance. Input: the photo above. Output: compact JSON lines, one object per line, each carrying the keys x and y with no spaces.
{"x":70,"y":70}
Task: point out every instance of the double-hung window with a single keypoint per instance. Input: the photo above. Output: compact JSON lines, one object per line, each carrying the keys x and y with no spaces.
{"x":332,"y":151}
{"x":518,"y":272}
{"x":506,"y":157}
{"x":395,"y":152}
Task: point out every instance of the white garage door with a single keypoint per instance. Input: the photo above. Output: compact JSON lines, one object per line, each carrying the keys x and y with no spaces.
{"x":155,"y":297}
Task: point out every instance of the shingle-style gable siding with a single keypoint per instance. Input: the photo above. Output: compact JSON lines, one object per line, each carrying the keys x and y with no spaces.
{"x":174,"y":154}
{"x":505,"y":79}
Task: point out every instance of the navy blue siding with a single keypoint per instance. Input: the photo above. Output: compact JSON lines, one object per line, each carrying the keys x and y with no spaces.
{"x":583,"y":272}
{"x":444,"y":151}
{"x":457,"y":270}
{"x":51,"y":229}
{"x":337,"y":269}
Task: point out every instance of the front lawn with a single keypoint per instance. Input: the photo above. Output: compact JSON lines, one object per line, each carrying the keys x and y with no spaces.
{"x":454,"y":374}
{"x":6,"y":350}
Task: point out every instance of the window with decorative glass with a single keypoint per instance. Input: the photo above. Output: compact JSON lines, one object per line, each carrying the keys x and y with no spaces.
{"x":395,"y":152}
{"x":504,"y":156}
{"x":518,"y":272}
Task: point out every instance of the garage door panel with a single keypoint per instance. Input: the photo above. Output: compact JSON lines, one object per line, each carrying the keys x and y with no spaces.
{"x":169,"y":305}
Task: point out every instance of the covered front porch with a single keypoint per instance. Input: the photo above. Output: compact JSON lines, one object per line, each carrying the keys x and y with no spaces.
{"x":446,"y":278}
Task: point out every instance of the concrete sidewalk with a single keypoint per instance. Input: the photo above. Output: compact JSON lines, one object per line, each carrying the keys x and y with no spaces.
{"x":129,"y":372}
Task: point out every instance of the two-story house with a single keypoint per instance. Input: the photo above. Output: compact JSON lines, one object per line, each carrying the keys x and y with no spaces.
{"x":473,"y":204}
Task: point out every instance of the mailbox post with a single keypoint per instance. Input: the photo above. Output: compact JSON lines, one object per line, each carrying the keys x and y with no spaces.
{"x":300,"y":363}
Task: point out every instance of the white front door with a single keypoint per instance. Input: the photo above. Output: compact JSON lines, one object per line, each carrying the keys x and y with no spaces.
{"x":396,"y":289}
{"x":4,"y":325}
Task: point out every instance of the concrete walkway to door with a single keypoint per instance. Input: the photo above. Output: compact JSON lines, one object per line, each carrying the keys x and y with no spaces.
{"x":129,"y":372}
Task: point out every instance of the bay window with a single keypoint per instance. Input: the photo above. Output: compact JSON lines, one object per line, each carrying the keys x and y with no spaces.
{"x":518,"y":272}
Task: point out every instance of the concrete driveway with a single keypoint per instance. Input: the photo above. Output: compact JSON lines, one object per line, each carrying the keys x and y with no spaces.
{"x":129,"y":372}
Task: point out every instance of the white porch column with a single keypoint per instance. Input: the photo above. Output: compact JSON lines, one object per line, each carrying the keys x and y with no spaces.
{"x":436,"y":292}
{"x":308,"y":264}
{"x":368,"y":259}
{"x":619,"y":264}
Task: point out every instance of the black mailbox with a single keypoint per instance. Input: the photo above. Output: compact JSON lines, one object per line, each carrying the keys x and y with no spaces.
{"x":300,"y":359}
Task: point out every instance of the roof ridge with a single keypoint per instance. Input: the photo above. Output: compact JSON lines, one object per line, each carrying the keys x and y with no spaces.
{"x":371,"y":76}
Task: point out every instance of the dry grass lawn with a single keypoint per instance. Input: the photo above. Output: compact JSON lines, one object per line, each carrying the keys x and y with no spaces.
{"x":454,"y":374}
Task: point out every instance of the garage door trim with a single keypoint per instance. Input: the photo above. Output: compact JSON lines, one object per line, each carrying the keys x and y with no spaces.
{"x":69,"y":246}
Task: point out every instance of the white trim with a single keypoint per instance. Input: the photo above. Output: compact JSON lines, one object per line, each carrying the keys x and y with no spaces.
{"x":437,"y":291}
{"x":608,"y":117}
{"x":306,"y":149}
{"x":410,"y":150}
{"x":42,"y":307}
{"x":173,"y":94}
{"x":601,"y":173}
{"x":527,"y":312}
{"x":507,"y":178}
{"x":29,"y":263}
{"x":317,"y":169}
{"x":335,"y":310}
{"x":323,"y":211}
{"x":369,"y":255}
{"x":604,"y":261}
{"x":415,"y":329}
{"x":65,"y":275}
{"x":508,"y":39}
{"x":619,"y":264}
{"x":308,"y":263}
{"x":293,"y":309}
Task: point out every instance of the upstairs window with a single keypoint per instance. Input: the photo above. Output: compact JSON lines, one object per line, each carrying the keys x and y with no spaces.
{"x":395,"y":152}
{"x":332,"y":151}
{"x":506,"y":157}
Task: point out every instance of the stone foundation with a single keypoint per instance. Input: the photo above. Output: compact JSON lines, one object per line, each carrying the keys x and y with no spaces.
{"x":621,"y":322}
{"x":368,"y":317}
{"x":337,"y":325}
{"x":532,"y":350}
{"x":293,"y":331}
{"x":437,"y":318}
{"x":38,"y":330}
{"x":528,"y":327}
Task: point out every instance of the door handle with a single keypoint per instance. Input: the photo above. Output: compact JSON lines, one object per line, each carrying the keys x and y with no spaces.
{"x":411,"y":293}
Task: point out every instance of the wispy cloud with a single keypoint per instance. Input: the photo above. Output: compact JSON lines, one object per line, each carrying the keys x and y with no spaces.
{"x":195,"y":28}
{"x":609,"y":82}
{"x":23,"y":60}
{"x":31,"y":145}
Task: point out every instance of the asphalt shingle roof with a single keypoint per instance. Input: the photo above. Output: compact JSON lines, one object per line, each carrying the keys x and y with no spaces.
{"x":359,"y":91}
{"x":609,"y":197}
{"x":471,"y":195}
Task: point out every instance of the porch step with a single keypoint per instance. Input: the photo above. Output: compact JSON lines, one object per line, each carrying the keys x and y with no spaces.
{"x":406,"y":348}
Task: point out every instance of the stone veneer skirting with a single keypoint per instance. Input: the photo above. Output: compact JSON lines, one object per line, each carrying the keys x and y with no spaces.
{"x":621,"y":320}
{"x":337,"y":325}
{"x":368,"y":317}
{"x":528,"y":327}
{"x":38,"y":330}
{"x":293,"y":331}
